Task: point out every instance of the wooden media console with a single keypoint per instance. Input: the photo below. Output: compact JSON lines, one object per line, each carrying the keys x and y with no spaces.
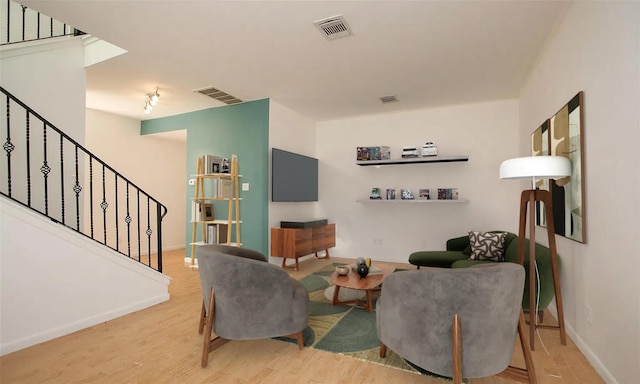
{"x":292,"y":243}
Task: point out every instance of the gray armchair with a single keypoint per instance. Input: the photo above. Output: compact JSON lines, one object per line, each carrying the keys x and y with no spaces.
{"x":456,"y":322}
{"x":247,"y":298}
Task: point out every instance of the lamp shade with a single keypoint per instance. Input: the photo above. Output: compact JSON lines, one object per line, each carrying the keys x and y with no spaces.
{"x":541,"y":167}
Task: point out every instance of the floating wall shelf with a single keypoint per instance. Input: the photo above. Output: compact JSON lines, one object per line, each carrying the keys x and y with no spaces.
{"x":414,"y":201}
{"x":414,"y":160}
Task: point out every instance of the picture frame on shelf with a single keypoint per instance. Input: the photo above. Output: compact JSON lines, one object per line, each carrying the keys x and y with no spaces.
{"x":211,"y":164}
{"x":391,"y":194}
{"x":424,"y":194}
{"x":447,"y":193}
{"x":406,"y":194}
{"x":207,"y":212}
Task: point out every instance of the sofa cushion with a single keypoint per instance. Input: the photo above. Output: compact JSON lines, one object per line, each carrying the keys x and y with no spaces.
{"x":441,"y":259}
{"x":487,"y":246}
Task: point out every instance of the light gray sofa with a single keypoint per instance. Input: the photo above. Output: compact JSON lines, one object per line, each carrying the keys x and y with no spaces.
{"x":251,"y":298}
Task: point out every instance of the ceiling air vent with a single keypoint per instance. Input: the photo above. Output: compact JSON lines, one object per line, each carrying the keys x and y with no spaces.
{"x":218,"y":95}
{"x":388,"y":99}
{"x":333,"y":27}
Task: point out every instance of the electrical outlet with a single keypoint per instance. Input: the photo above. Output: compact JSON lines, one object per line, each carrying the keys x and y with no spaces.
{"x":589,"y":315}
{"x":192,"y":181}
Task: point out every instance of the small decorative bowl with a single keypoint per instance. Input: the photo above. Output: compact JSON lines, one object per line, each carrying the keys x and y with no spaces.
{"x":342,"y":270}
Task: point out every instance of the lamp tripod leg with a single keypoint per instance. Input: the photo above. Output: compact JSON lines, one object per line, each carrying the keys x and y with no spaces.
{"x":546,"y":199}
{"x":532,"y":270}
{"x":528,"y":197}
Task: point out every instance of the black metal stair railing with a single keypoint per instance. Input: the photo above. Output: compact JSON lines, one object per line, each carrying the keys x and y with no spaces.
{"x":24,"y":24}
{"x":47,"y":171}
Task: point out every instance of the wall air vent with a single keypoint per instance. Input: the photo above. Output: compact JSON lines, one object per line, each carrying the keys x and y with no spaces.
{"x":388,"y":99}
{"x":333,"y":27}
{"x":218,"y":95}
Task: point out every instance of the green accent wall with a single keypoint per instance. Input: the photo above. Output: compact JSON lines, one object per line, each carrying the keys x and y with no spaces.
{"x":240,"y":129}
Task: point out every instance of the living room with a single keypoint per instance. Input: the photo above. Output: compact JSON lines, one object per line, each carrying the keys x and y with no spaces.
{"x":595,"y":50}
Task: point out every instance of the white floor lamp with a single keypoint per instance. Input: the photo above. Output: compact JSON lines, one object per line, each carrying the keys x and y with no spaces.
{"x":538,"y":167}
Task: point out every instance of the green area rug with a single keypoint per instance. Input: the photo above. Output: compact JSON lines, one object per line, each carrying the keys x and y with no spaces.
{"x":346,"y":330}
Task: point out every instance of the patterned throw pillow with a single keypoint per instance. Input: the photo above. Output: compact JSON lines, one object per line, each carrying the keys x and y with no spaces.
{"x":487,"y":246}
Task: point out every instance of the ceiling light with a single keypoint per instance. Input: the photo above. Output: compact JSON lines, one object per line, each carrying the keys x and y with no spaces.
{"x":152,"y":100}
{"x":155,"y":97}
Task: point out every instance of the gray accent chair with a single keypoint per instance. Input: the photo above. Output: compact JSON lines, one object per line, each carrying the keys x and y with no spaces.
{"x":456,"y":322}
{"x":246,"y":298}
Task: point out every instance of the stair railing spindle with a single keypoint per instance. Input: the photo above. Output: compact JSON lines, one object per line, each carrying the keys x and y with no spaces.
{"x":8,"y":146}
{"x":28,"y":144}
{"x":117,"y":216}
{"x":45,"y":169}
{"x":62,"y":182}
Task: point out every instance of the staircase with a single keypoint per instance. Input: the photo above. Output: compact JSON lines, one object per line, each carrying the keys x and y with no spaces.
{"x":80,"y":244}
{"x":48,"y":172}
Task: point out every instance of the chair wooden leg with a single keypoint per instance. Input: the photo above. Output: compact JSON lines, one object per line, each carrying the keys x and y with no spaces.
{"x":207,"y":330}
{"x":298,"y":336}
{"x":210,"y":344}
{"x":456,"y":344}
{"x":541,"y":317}
{"x":203,"y":318}
{"x":527,"y":375}
{"x":300,"y":341}
{"x":383,"y":350}
{"x":528,"y":360}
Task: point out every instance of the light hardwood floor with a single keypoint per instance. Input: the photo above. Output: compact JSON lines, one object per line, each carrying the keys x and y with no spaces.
{"x":161,"y":345}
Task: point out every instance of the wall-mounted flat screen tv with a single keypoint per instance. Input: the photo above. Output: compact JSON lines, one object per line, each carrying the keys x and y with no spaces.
{"x":294,"y":177}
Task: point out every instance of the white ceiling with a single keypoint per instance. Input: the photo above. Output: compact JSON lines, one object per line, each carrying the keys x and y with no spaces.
{"x":427,"y":53}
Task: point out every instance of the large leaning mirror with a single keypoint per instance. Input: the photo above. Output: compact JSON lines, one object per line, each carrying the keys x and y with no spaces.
{"x":563,"y":135}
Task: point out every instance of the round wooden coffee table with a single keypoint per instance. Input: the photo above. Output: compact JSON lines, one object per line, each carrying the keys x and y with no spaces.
{"x":354,"y":281}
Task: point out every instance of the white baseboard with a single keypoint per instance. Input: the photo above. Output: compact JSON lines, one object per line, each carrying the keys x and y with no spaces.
{"x":187,"y":261}
{"x":591,"y":357}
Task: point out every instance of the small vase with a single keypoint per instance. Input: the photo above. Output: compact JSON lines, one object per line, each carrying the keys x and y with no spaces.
{"x":363,"y":270}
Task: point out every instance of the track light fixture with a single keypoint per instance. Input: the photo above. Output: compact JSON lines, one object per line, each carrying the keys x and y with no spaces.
{"x":152,"y":100}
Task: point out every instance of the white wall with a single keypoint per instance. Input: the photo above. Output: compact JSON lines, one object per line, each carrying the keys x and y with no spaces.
{"x":54,"y":281}
{"x":293,"y":132}
{"x":148,"y":161}
{"x":596,"y":49}
{"x":392,"y":231}
{"x":50,"y":78}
